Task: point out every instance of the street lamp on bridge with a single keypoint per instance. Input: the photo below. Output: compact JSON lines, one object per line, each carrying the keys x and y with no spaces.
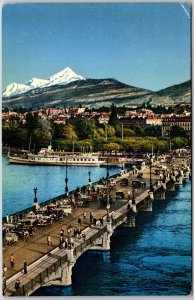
{"x":89,"y":180}
{"x":66,"y":180}
{"x":150,"y":164}
{"x":35,"y":193}
{"x":133,"y":195}
{"x":107,"y":191}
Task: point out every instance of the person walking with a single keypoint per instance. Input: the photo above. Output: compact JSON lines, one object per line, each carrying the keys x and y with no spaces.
{"x":12,"y":261}
{"x":17,"y":284}
{"x":79,"y":221}
{"x":49,"y":240}
{"x":61,"y":242}
{"x":25,"y":267}
{"x":91,"y":218}
{"x":101,"y":220}
{"x":84,"y":215}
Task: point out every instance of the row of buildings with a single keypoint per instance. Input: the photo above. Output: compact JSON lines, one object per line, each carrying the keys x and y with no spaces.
{"x":142,"y":117}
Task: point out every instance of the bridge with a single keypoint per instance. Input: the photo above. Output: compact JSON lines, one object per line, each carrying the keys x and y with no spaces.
{"x":55,"y":267}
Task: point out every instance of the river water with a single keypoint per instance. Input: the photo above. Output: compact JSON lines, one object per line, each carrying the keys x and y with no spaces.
{"x":154,"y":258}
{"x":19,"y":181}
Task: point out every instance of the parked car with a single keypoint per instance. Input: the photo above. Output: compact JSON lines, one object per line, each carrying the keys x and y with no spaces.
{"x":136,"y":184}
{"x":57,"y":214}
{"x":157,"y":172}
{"x":119,"y":195}
{"x":124,"y":181}
{"x":44,"y":220}
{"x":140,"y":175}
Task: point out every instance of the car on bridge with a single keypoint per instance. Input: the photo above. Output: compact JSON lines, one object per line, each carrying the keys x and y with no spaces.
{"x":136,"y":184}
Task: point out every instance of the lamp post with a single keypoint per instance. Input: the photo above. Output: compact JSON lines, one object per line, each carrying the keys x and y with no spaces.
{"x":151,"y":186}
{"x":66,"y":180}
{"x":133,"y":195}
{"x":35,"y":192}
{"x":107,"y":191}
{"x":89,"y":180}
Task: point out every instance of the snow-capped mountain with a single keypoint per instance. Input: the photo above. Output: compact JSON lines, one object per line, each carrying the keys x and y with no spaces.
{"x":61,"y":78}
{"x":35,"y":83}
{"x":64,"y":77}
{"x":15,"y":89}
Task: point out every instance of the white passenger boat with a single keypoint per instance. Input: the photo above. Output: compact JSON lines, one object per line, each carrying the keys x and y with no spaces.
{"x":47,"y":156}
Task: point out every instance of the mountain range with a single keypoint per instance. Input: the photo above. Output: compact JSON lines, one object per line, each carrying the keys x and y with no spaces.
{"x":66,"y":88}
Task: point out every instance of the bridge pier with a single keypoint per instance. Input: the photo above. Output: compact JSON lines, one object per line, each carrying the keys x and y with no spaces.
{"x":186,"y":174}
{"x":160,"y":194}
{"x":163,"y":184}
{"x":146,"y":206}
{"x":171,"y":187}
{"x":151,"y":195}
{"x":131,"y":221}
{"x":36,"y":205}
{"x":179,"y":180}
{"x":106,"y":236}
{"x":66,"y":274}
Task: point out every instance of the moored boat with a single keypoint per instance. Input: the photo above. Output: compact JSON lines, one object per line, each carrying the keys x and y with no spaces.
{"x":49,"y":157}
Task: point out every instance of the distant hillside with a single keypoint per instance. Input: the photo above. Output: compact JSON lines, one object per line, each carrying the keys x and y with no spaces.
{"x":98,"y":92}
{"x":179,"y":93}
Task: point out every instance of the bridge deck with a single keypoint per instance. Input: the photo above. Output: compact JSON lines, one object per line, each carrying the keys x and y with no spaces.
{"x":41,"y":257}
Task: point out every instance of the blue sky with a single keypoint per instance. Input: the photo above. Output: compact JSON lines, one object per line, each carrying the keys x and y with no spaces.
{"x":141,"y":44}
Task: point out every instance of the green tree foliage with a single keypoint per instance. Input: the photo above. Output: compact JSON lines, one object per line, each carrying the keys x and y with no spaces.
{"x":111,"y":147}
{"x":127,"y":132}
{"x":110,"y":131}
{"x":155,"y":131}
{"x":41,"y":137}
{"x":64,"y":145}
{"x":58,"y":131}
{"x":139,"y":131}
{"x":179,"y":142}
{"x":113,"y":121}
{"x":177,"y":131}
{"x":85,"y":129}
{"x":85,"y":145}
{"x":69,"y":132}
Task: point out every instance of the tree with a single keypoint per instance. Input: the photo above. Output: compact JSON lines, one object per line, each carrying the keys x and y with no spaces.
{"x":41,"y":137}
{"x":113,"y":121}
{"x":128,"y":132}
{"x":100,"y":132}
{"x":111,"y":147}
{"x":110,"y":131}
{"x":179,"y":142}
{"x":177,"y":131}
{"x":69,"y":132}
{"x":85,"y":129}
{"x":138,"y":130}
{"x":85,"y":145}
{"x":153,"y":131}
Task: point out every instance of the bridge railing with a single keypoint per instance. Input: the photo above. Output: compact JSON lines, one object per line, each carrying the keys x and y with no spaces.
{"x":89,"y":241}
{"x":120,"y":218}
{"x":40,"y":278}
{"x":54,"y":267}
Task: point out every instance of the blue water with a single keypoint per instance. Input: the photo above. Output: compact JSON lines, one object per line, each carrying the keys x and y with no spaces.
{"x":19,"y":181}
{"x":154,"y":258}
